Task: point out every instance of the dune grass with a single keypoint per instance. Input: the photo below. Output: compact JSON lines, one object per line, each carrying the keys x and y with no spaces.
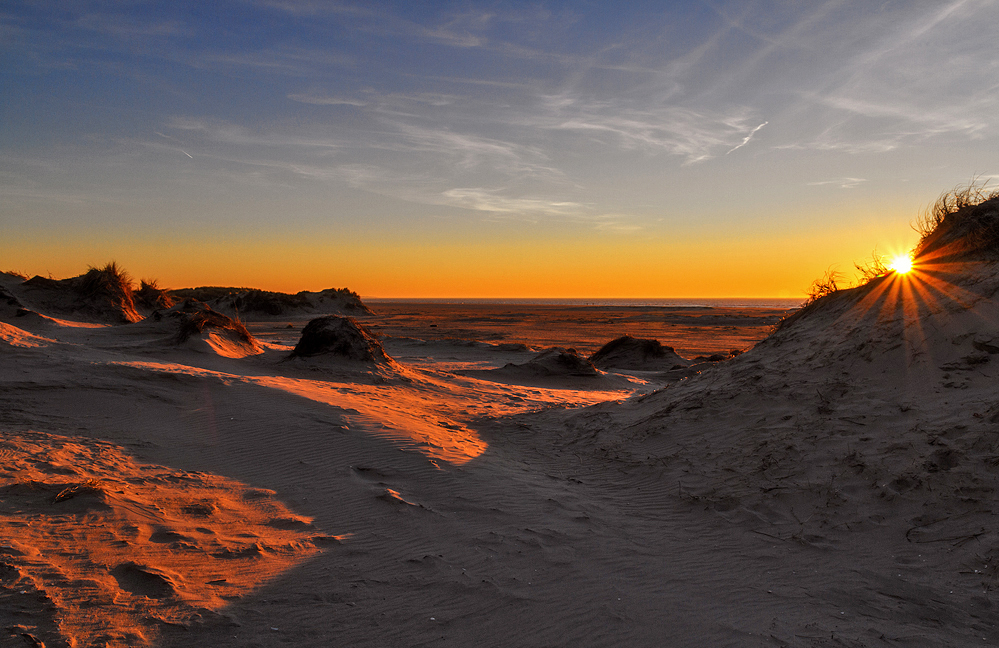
{"x":829,"y":283}
{"x":152,"y":296}
{"x":197,"y":321}
{"x":109,"y":285}
{"x":109,"y":280}
{"x":963,"y":222}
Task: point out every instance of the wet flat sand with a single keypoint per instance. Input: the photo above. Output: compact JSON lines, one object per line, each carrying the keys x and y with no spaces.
{"x":692,"y":331}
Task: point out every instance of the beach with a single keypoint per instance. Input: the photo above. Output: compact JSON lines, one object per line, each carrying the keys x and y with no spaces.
{"x":467,"y":484}
{"x":499,"y":324}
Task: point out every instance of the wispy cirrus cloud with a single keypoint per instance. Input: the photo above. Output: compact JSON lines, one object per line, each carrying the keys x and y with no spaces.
{"x":492,"y":200}
{"x":468,"y":151}
{"x":500,"y":204}
{"x":694,"y":135}
{"x":455,"y":30}
{"x":842,"y":183}
{"x":317,"y":100}
{"x":897,"y":78}
{"x":301,"y":62}
{"x":208,"y":132}
{"x":128,"y":27}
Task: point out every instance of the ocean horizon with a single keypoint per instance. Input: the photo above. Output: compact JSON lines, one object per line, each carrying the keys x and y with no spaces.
{"x":671,"y":302}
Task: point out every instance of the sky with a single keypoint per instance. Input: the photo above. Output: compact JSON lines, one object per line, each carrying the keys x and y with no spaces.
{"x":487,"y":149}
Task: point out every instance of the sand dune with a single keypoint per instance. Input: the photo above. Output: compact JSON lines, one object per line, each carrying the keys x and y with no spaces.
{"x":262,"y":305}
{"x":832,"y":486}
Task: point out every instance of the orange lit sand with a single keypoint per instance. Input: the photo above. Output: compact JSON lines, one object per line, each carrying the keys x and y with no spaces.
{"x":116,"y":549}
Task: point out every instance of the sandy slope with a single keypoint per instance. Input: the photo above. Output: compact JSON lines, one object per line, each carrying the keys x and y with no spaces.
{"x":861,"y":444}
{"x":832,"y":487}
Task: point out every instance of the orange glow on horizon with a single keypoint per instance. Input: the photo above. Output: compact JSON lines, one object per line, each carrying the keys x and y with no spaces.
{"x":508,"y":264}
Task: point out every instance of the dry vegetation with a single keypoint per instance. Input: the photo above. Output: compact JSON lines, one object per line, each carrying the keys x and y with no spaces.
{"x":110,"y":284}
{"x":150,"y":295}
{"x":962,"y":223}
{"x":199,"y":317}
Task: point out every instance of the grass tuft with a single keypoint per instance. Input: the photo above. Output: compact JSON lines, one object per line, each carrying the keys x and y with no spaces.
{"x":109,"y":285}
{"x":109,"y":280}
{"x":963,"y":222}
{"x":872,"y":269}
{"x":826,"y":285}
{"x":197,"y":321}
{"x":152,"y":296}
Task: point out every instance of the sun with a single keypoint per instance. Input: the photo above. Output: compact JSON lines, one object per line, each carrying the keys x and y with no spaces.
{"x":901,"y":264}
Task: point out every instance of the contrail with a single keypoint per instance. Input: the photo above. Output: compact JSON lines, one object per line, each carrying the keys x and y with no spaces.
{"x":749,"y":137}
{"x":192,"y":157}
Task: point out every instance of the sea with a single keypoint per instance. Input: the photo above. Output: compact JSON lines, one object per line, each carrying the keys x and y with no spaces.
{"x":666,"y":302}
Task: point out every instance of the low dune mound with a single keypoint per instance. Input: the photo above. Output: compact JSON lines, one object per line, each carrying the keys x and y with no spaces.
{"x":195,"y":324}
{"x":556,"y":361}
{"x":262,"y":304}
{"x":640,"y":354}
{"x":339,"y":336}
{"x":101,"y":295}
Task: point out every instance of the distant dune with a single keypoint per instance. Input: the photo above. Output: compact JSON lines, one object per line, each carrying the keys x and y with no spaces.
{"x":257,"y":304}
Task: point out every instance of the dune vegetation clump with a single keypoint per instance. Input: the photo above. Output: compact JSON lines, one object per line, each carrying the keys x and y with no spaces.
{"x":962,"y":224}
{"x":108,"y":288}
{"x":208,"y":293}
{"x":151,"y":296}
{"x":557,"y":361}
{"x":829,"y":283}
{"x":198,"y":317}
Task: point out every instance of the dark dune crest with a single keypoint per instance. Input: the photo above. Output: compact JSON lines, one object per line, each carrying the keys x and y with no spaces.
{"x":642,"y":354}
{"x":248,"y":302}
{"x":339,"y":336}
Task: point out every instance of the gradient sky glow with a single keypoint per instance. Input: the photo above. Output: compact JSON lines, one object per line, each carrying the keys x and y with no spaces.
{"x":553,"y":149}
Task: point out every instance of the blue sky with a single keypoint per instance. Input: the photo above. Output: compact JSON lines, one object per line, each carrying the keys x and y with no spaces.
{"x":507,"y":148}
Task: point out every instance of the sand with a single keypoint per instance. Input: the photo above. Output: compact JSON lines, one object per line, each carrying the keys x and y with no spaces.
{"x":832,"y":486}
